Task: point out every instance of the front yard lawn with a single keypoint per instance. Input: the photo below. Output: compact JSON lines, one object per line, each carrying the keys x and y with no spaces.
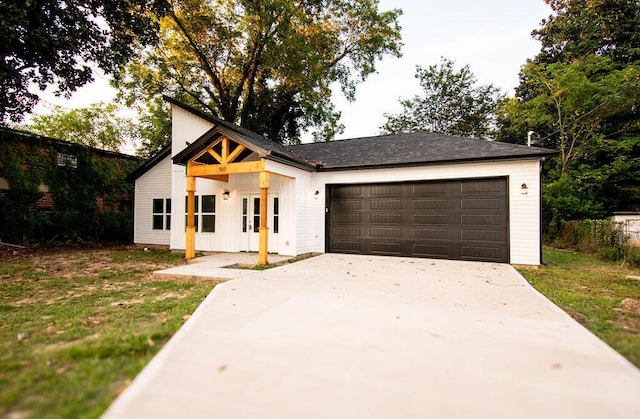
{"x":603,"y":296}
{"x":76,"y":326}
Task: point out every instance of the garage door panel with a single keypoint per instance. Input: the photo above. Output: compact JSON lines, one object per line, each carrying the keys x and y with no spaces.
{"x":385,"y":204}
{"x":429,"y":189}
{"x":343,"y":246}
{"x":482,"y":235}
{"x":346,"y":191}
{"x":385,"y":218}
{"x":431,"y":251}
{"x":430,"y":219}
{"x":389,"y":190}
{"x":481,"y":220}
{"x":453,"y":219}
{"x":386,"y":232}
{"x":346,"y":232}
{"x":492,"y":254}
{"x":385,"y":248}
{"x":426,"y":204}
{"x":347,"y":218}
{"x":480,"y":203}
{"x":476,"y":186}
{"x":431,"y":233}
{"x":349,"y":205}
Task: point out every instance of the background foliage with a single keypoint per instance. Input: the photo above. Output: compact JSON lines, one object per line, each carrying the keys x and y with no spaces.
{"x":99,"y":125}
{"x":581,"y":96}
{"x":452,"y":103}
{"x":60,"y":43}
{"x":268,"y":66}
{"x":25,"y":165}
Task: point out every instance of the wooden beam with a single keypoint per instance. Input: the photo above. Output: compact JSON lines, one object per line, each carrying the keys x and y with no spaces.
{"x":190,"y":248}
{"x":221,"y":178}
{"x":225,"y":150}
{"x":202,"y":170}
{"x":263,"y":249}
{"x":215,"y":155}
{"x":235,"y":153}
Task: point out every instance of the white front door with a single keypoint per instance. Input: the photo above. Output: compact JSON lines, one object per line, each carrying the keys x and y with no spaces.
{"x":250,"y":213}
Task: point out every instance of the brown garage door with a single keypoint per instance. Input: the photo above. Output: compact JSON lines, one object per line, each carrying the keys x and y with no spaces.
{"x":454,"y":219}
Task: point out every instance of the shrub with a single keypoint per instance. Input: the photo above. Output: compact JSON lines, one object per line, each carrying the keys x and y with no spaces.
{"x":603,"y":237}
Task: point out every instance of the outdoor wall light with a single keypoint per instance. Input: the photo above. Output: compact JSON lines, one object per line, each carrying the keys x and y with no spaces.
{"x":524,"y":189}
{"x":225,"y":194}
{"x":316,"y":194}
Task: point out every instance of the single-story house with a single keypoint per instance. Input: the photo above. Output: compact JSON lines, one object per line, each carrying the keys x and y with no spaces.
{"x":221,"y":187}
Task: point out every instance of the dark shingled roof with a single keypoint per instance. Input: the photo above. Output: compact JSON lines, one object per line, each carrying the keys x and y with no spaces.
{"x":417,"y":148}
{"x":271,"y":149}
{"x":394,"y":150}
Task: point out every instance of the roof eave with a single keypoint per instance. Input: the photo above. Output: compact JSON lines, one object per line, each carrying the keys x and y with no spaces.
{"x":536,"y":156}
{"x":149,"y":164}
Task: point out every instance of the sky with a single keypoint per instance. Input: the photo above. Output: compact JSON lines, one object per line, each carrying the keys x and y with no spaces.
{"x":493,"y":37}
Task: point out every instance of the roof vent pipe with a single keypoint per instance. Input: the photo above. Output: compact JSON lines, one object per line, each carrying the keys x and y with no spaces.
{"x":529,"y":137}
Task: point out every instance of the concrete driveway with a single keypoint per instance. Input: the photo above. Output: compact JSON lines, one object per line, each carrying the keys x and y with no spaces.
{"x":340,"y":336}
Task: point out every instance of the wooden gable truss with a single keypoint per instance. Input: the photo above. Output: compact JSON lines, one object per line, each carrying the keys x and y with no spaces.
{"x":217,"y":161}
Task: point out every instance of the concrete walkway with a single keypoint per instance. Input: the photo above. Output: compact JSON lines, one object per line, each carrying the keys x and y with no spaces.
{"x":339,"y":336}
{"x":217,"y":266}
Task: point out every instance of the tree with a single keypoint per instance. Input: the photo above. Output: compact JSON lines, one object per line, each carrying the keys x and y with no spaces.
{"x":267,"y":65}
{"x":581,"y":95}
{"x":58,"y":42}
{"x":98,"y":125}
{"x":573,"y":103}
{"x":582,"y":28}
{"x":452,"y":103}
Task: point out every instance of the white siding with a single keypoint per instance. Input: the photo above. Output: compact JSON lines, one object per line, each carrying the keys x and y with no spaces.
{"x":524,"y":210}
{"x":185,"y":127}
{"x":154,"y":184}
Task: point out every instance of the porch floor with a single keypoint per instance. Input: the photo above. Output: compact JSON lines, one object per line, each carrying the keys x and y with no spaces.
{"x":214,"y":266}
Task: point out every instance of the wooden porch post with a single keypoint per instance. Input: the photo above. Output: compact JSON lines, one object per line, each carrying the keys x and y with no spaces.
{"x":190,"y":249}
{"x":263,"y":232}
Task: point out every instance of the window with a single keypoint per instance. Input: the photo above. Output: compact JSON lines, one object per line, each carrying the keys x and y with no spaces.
{"x":208,"y":211}
{"x":167,"y":214}
{"x":196,"y":217}
{"x":161,"y":214}
{"x":245,"y":208}
{"x":67,"y":160}
{"x":276,"y":214}
{"x":256,"y":215}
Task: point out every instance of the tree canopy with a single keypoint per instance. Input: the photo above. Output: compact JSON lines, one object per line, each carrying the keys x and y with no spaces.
{"x":267,"y":65}
{"x":59,"y":42}
{"x":452,"y":103}
{"x":581,"y":28}
{"x":581,"y":95}
{"x":99,"y":125}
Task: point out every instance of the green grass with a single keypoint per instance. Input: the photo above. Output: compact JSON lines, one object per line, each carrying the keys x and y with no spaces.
{"x":591,"y":291}
{"x":94,"y":319}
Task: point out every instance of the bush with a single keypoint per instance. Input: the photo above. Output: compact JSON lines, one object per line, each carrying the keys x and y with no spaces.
{"x":592,"y":235}
{"x":564,"y":199}
{"x":602,"y":237}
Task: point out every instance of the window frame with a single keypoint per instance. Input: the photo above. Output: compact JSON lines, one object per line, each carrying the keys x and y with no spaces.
{"x":161,"y":214}
{"x":208,"y":212}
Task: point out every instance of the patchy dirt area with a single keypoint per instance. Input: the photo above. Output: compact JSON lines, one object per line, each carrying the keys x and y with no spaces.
{"x":88,"y":262}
